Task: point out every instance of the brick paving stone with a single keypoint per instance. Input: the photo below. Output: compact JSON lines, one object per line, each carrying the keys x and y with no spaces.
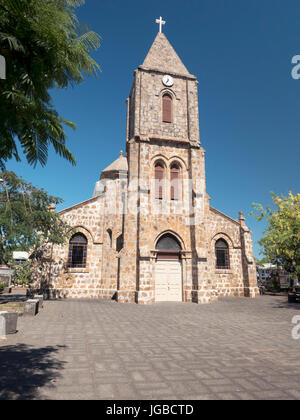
{"x":236,"y":348}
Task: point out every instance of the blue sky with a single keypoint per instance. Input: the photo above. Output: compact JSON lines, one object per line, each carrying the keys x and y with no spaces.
{"x":241,"y":53}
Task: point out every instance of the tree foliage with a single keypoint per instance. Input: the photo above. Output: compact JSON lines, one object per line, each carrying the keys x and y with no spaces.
{"x":281,"y":241}
{"x":26,"y":221}
{"x":45,"y":47}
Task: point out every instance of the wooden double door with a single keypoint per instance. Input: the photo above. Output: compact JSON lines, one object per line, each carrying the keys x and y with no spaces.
{"x":168,"y":278}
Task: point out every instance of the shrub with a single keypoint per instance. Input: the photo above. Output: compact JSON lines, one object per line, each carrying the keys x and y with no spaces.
{"x":2,"y":286}
{"x":21,"y":273}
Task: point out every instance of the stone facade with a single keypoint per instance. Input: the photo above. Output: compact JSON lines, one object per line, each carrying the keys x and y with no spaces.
{"x":124,"y":221}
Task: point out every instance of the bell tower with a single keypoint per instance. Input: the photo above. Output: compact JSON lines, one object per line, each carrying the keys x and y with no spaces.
{"x":163,"y":73}
{"x":162,"y":129}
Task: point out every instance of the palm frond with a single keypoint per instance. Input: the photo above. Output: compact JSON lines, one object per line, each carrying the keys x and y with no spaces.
{"x":13,"y":43}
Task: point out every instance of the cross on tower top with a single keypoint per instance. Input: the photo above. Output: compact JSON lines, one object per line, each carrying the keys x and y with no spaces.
{"x":160,"y":22}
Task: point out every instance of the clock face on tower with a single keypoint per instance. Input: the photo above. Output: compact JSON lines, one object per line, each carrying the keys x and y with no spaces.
{"x":168,"y":80}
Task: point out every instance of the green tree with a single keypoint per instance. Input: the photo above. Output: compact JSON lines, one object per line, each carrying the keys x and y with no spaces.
{"x":281,"y":240}
{"x":45,"y":47}
{"x":26,"y":221}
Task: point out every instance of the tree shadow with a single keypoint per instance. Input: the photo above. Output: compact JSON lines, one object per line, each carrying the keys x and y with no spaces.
{"x":287,"y":305}
{"x":12,"y":298}
{"x":25,"y":369}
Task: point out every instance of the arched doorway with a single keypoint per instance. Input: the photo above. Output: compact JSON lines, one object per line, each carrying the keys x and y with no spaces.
{"x":168,"y":270}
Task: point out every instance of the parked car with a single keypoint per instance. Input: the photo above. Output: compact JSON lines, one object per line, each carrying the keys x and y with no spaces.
{"x":294,"y":295}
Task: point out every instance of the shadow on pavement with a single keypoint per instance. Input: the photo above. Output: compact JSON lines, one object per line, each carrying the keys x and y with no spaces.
{"x":287,"y":305}
{"x":11,"y":298}
{"x":25,"y":369}
{"x":15,"y":296}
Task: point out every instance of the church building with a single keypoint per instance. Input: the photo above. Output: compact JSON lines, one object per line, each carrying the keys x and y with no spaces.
{"x":149,"y":233}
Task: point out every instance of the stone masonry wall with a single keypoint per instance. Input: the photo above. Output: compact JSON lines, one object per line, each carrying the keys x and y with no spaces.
{"x":53,"y":272}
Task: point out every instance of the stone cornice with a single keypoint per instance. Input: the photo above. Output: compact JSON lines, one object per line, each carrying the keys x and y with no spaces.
{"x":183,"y":140}
{"x":168,"y":138}
{"x":170,"y":72}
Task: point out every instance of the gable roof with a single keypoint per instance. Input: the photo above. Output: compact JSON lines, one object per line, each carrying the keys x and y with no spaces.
{"x":224,"y":215}
{"x":82,"y":204}
{"x":163,"y":57}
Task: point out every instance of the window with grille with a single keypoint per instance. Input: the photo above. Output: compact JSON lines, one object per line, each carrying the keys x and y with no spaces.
{"x":159,"y":180}
{"x":222,"y":254}
{"x":119,"y":243}
{"x":167,"y":111}
{"x":77,"y":251}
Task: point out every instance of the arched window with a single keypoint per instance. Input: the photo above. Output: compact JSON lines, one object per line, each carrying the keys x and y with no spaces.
{"x":222,"y":254}
{"x":168,"y":248}
{"x":167,"y":108}
{"x":109,"y":237}
{"x":175,"y":175}
{"x":168,"y":242}
{"x":159,"y":180}
{"x":77,"y":251}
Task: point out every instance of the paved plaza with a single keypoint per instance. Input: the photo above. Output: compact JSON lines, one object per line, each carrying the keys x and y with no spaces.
{"x":237,"y":348}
